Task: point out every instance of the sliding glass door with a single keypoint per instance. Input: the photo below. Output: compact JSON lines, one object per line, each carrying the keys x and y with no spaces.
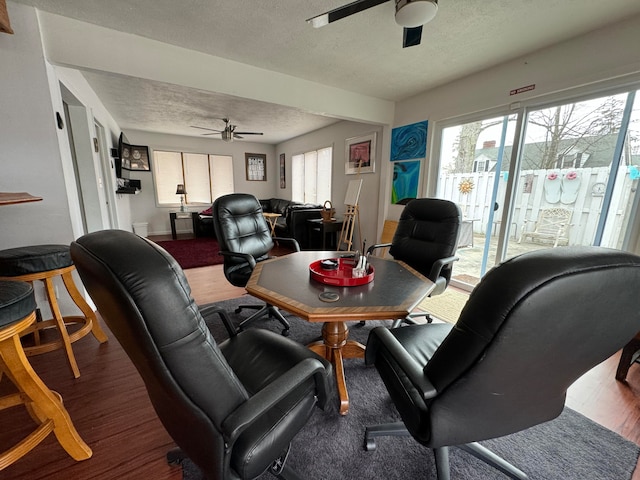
{"x":474,"y":160}
{"x":565,"y":174}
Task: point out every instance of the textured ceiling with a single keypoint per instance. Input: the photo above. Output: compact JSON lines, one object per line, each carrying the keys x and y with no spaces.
{"x":361,"y":53}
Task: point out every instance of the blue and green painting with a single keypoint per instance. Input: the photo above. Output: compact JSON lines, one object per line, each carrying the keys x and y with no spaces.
{"x":409,"y":141}
{"x":405,"y":181}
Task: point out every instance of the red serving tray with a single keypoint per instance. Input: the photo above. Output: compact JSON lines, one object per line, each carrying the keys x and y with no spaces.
{"x":341,"y":276}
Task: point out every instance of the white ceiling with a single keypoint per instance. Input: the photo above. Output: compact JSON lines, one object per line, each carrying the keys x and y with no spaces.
{"x":362,"y":53}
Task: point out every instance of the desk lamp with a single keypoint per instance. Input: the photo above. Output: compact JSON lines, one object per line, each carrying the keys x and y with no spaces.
{"x":180,"y":190}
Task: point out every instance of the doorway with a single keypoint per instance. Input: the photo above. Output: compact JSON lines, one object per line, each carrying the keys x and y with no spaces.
{"x":85,"y":147}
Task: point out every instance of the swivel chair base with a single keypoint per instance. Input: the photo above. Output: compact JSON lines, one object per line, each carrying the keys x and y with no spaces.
{"x":441,"y":454}
{"x":263,"y":310}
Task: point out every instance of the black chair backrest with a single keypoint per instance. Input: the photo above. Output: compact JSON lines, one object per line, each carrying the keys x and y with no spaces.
{"x":144,"y":297}
{"x":531,"y":327}
{"x":241,"y":227}
{"x":427,"y":231}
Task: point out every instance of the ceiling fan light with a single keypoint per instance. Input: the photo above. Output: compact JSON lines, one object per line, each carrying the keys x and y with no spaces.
{"x":227,"y":136}
{"x":413,"y":13}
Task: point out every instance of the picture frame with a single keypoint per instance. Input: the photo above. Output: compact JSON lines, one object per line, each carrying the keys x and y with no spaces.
{"x":283,"y":172}
{"x":360,"y":154}
{"x":135,"y":158}
{"x":256,"y":167}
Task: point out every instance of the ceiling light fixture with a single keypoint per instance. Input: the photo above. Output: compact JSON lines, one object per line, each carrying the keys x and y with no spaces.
{"x":413,"y":13}
{"x":227,"y":135}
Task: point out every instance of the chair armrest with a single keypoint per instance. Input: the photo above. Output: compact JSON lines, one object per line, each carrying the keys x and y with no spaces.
{"x":376,"y":246}
{"x":438,"y":265}
{"x":244,"y":256}
{"x":207,"y":310}
{"x":406,"y":362}
{"x":294,"y":243}
{"x":258,"y":404}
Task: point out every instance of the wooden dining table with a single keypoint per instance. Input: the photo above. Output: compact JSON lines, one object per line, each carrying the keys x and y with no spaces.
{"x":286,"y":282}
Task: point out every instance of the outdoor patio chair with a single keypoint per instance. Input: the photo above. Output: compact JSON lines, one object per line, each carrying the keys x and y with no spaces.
{"x":552,"y":225}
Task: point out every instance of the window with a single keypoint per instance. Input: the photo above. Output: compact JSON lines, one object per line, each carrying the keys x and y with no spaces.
{"x":311,"y":176}
{"x":205,"y":177}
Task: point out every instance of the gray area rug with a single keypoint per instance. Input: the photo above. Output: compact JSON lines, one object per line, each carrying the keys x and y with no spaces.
{"x":330,"y":447}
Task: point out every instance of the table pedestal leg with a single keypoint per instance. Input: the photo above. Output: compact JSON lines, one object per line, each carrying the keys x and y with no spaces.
{"x":335,"y":346}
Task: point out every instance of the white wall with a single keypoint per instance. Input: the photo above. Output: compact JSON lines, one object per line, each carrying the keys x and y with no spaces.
{"x":30,"y":156}
{"x":143,"y":205}
{"x":335,"y":136}
{"x":603,"y":59}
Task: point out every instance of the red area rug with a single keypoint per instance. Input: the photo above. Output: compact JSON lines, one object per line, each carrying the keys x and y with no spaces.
{"x":193,"y":252}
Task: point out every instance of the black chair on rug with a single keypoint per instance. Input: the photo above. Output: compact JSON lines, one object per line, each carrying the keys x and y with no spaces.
{"x":245,"y":239}
{"x":426,"y":239}
{"x":232,"y":408}
{"x":531,"y":327}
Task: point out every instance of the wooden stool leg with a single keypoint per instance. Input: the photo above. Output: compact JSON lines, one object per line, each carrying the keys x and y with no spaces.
{"x":45,"y":405}
{"x":79,"y":300}
{"x":59,"y":320}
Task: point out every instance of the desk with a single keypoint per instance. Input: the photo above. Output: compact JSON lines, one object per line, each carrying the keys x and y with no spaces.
{"x":272,"y":218}
{"x":394,"y":292}
{"x":319,"y":225}
{"x":181,"y":215}
{"x":11,"y":198}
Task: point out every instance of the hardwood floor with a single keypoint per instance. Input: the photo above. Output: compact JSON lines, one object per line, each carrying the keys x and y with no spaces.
{"x":110,"y":408}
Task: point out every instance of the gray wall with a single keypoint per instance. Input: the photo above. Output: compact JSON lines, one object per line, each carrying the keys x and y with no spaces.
{"x":335,"y":136}
{"x":29,"y":154}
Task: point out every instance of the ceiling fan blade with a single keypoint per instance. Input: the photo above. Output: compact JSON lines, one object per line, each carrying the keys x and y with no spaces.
{"x":248,"y":133}
{"x":342,"y":12}
{"x":205,"y":128}
{"x":412,"y":37}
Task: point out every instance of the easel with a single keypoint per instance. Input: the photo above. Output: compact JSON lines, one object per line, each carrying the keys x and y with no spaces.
{"x":351,"y":215}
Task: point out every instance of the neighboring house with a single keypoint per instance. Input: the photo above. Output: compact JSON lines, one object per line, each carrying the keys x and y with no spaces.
{"x":593,"y":151}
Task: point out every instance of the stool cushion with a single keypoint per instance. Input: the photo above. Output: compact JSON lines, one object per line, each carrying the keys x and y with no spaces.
{"x":33,"y":259}
{"x":16,"y":301}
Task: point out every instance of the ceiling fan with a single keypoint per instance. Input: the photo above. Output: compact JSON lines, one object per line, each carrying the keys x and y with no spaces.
{"x":229,"y":132}
{"x":410,"y":14}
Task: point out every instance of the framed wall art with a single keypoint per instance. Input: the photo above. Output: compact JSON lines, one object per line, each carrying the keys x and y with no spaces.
{"x":360,"y":154}
{"x":409,"y":141}
{"x":283,"y":172}
{"x":135,"y":157}
{"x":256,"y":165}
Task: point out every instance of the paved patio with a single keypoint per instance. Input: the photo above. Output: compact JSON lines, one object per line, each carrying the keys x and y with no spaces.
{"x":467,"y":269}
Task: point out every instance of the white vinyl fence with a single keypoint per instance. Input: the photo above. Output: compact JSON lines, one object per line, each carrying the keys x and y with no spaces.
{"x":583,"y":195}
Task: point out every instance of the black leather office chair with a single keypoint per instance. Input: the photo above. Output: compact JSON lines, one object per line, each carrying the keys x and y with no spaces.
{"x":426,"y":239}
{"x":245,"y":239}
{"x":531,"y":327}
{"x":231,"y":408}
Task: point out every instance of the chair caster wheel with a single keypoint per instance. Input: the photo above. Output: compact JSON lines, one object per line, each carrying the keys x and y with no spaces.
{"x":369,"y":444}
{"x":286,"y":332}
{"x":175,"y":456}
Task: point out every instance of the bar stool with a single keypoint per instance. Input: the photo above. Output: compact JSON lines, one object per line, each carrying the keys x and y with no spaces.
{"x":45,"y":262}
{"x":17,"y":314}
